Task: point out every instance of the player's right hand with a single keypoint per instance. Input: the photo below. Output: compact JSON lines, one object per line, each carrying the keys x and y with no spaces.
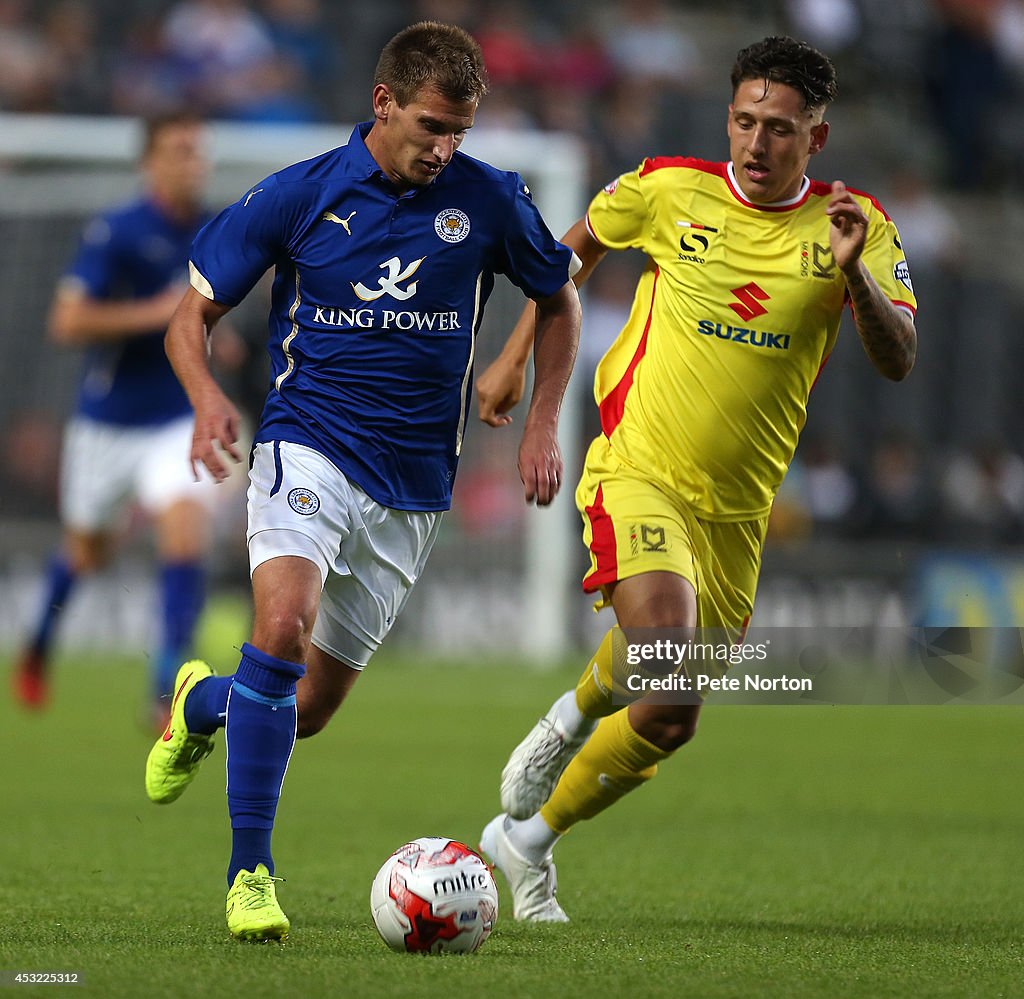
{"x":498,"y":390}
{"x":215,"y":434}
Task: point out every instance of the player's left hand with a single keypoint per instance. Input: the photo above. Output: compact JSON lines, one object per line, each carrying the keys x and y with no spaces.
{"x":540,"y":463}
{"x":849,"y":228}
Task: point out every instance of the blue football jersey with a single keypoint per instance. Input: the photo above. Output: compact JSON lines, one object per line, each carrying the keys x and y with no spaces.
{"x":377,"y":300}
{"x":131,"y":252}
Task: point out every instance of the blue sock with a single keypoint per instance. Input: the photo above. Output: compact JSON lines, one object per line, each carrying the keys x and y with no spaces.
{"x":260,"y":732}
{"x":183,"y":590}
{"x":207,"y":704}
{"x":60,"y":580}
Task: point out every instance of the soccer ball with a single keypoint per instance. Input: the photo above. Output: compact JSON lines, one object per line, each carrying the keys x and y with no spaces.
{"x":432,"y":895}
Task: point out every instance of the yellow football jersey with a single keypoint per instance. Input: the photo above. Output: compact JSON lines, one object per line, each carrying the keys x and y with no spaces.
{"x":706,"y":386}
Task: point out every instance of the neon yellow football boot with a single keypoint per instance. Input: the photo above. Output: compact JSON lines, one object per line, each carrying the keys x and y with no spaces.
{"x":174,"y":759}
{"x":252,"y":909}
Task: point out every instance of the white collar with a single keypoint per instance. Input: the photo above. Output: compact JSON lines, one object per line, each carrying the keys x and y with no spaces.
{"x":787,"y":203}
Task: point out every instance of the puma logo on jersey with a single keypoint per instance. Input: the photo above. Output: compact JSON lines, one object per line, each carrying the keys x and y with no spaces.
{"x":343,"y":222}
{"x":250,"y":196}
{"x":388,"y":284}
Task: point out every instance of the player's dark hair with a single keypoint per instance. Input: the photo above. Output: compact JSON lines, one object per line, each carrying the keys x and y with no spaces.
{"x":155,"y":124}
{"x":430,"y":53}
{"x":780,"y":59}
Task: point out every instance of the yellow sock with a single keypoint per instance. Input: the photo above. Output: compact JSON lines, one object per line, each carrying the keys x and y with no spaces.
{"x":596,"y":686}
{"x":603,"y":687}
{"x":614,"y":761}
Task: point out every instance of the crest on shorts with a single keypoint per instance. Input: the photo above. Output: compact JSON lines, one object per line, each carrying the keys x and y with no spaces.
{"x":304,"y":501}
{"x":452,"y":225}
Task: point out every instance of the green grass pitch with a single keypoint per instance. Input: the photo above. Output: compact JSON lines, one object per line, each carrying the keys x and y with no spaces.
{"x":788,"y":852}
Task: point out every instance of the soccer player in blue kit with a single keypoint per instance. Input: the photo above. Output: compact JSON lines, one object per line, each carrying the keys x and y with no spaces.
{"x":385,"y":252}
{"x":132,"y":418}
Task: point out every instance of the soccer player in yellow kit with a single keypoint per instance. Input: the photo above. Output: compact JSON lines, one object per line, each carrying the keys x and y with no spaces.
{"x":702,"y":398}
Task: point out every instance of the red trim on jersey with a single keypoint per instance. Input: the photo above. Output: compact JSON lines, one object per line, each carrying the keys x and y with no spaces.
{"x":821,"y":368}
{"x":871,"y":198}
{"x":824,"y":189}
{"x":683,"y":162}
{"x":590,"y":229}
{"x":820,"y":188}
{"x":613,"y":405}
{"x":602,"y":546}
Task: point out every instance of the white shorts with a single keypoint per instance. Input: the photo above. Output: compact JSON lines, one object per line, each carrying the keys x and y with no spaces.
{"x":369,"y":555}
{"x":105,"y":466}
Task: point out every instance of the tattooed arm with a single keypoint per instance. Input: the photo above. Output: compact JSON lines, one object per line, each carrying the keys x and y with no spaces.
{"x":887,"y":333}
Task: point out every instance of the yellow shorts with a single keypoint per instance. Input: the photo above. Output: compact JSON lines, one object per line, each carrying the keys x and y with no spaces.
{"x":631,"y":526}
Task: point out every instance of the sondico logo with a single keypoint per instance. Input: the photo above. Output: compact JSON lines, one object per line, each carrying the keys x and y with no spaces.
{"x":388,"y":284}
{"x":693,"y":242}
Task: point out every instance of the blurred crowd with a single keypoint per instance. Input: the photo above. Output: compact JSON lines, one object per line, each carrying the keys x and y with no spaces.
{"x":901,"y":491}
{"x":628,"y":76}
{"x":269,"y":61}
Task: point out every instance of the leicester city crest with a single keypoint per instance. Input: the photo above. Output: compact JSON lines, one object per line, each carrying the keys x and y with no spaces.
{"x":304,"y":501}
{"x":452,"y":225}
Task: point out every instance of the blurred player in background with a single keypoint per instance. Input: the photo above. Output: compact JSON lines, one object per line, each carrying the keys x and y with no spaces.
{"x":385,"y":252}
{"x":701,"y":400}
{"x":132,"y":418}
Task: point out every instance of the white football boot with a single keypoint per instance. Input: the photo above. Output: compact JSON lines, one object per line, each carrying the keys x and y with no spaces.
{"x":533,"y":885}
{"x":537,"y":762}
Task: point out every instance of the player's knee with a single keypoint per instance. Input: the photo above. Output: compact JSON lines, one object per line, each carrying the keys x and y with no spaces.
{"x":285,"y":633}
